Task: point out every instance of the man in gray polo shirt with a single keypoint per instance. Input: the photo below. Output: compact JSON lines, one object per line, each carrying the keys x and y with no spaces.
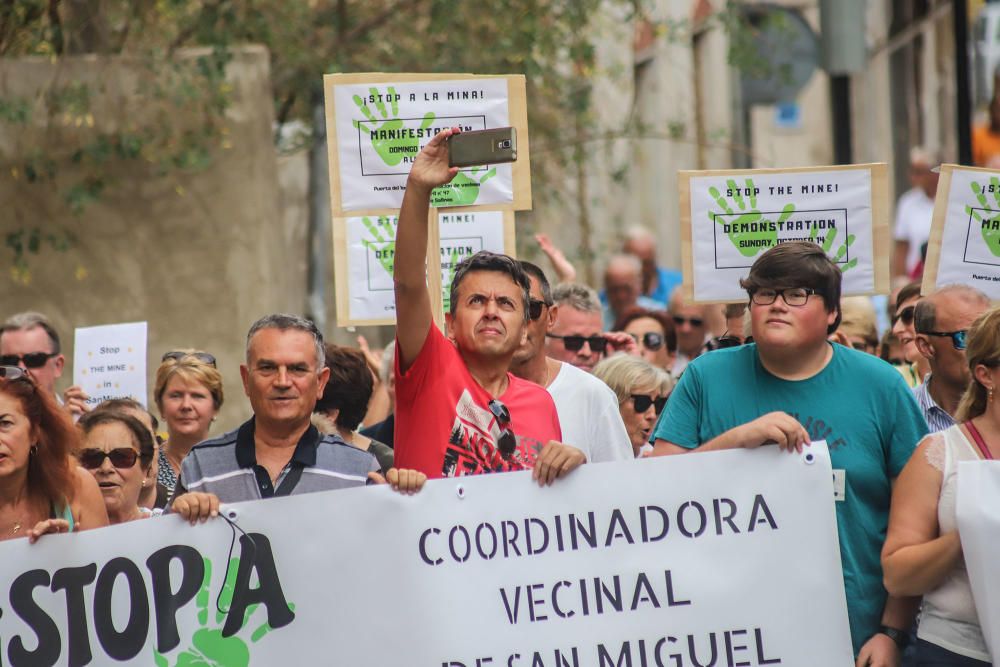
{"x":278,"y":452}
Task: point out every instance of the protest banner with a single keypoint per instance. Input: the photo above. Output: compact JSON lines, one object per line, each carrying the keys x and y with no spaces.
{"x":377,"y":123}
{"x":365,"y":249}
{"x":730,"y":218}
{"x":110,"y":361}
{"x":724,"y":558}
{"x":978,"y":514}
{"x":964,"y":245}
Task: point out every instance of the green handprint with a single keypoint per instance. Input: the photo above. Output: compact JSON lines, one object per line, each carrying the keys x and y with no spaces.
{"x":449,"y":275}
{"x":463,"y":189}
{"x":383,"y":241}
{"x":750,"y":232}
{"x":990,"y":226}
{"x":208,"y":647}
{"x":841,"y":251}
{"x":388,"y":140}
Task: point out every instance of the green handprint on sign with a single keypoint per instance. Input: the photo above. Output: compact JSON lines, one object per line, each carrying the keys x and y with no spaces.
{"x":989,"y":227}
{"x":208,"y":648}
{"x":750,"y":232}
{"x":383,"y":241}
{"x":387,"y":132}
{"x":463,"y":189}
{"x":841,"y":251}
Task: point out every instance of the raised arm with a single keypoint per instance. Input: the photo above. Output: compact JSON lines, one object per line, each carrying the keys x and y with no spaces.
{"x":413,"y":303}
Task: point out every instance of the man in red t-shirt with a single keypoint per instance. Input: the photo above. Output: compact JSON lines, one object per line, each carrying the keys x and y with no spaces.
{"x":458,"y":409}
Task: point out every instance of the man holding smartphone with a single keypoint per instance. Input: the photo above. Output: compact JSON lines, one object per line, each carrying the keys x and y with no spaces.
{"x":458,"y":409}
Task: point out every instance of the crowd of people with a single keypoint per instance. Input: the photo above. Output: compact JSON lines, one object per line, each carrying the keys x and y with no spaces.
{"x":546,"y":376}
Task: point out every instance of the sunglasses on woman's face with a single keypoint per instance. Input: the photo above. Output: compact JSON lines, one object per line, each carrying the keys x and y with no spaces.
{"x":906,"y":315}
{"x":177,"y":355}
{"x":31,"y":360}
{"x":650,"y":340}
{"x":641,"y":403}
{"x":575,"y":343}
{"x":120,"y":457}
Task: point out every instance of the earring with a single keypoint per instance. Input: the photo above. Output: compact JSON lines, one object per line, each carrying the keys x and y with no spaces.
{"x":989,"y":394}
{"x":33,"y":450}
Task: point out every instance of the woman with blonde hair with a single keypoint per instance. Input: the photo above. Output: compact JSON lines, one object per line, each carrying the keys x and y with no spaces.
{"x":188,"y":394}
{"x":642,"y":390}
{"x":922,"y":553}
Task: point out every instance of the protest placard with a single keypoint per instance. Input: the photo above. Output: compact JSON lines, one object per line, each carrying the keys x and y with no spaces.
{"x":365,"y":248}
{"x":110,"y":362}
{"x":724,"y":558}
{"x":730,"y":218}
{"x":964,"y":245}
{"x":377,"y":123}
{"x":978,"y":513}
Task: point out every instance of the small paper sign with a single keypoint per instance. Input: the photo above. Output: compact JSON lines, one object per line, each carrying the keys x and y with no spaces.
{"x":110,"y":362}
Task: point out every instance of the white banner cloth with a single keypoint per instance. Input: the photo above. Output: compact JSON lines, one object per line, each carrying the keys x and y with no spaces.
{"x":727,"y":558}
{"x":978,"y":513}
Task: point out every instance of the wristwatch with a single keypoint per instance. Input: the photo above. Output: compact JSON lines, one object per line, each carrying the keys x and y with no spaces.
{"x":901,"y":638}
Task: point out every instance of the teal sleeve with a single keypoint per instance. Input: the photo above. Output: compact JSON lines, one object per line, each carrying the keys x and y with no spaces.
{"x":679,"y":422}
{"x":908,"y":429}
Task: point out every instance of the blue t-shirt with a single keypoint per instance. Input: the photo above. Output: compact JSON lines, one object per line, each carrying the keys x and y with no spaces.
{"x":666,"y":281}
{"x":863,"y":409}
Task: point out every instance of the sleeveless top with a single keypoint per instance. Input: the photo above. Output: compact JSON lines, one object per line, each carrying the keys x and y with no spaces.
{"x":949,"y":617}
{"x":63,"y":512}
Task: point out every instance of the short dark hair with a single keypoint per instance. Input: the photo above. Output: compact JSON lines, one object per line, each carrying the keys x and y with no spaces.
{"x":143,"y":438}
{"x":661,"y":316}
{"x":907,"y":292}
{"x":533,"y":270}
{"x":798,"y":264}
{"x":484,"y":260}
{"x":349,"y":388}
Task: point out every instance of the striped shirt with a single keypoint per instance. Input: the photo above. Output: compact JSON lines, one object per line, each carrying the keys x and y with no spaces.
{"x":937,"y":418}
{"x":227,"y":467}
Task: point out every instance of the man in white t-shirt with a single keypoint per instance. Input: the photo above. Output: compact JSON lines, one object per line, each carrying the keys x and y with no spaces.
{"x":914,"y":212}
{"x":587,"y":408}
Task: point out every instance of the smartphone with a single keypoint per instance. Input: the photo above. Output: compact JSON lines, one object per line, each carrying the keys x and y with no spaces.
{"x":471,"y":149}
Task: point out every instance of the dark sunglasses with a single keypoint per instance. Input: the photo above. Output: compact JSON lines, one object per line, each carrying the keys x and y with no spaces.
{"x":906,"y":315}
{"x":177,"y":355}
{"x":642,"y":402}
{"x":121,"y":457}
{"x":575,"y":343}
{"x":693,"y":321}
{"x":957,"y":337}
{"x":507,"y":442}
{"x":535,"y":308}
{"x":650,"y":340}
{"x":31,"y":360}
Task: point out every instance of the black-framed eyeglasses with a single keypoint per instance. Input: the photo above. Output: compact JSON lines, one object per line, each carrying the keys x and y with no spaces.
{"x":535,"y":308}
{"x":641,"y":403}
{"x":650,"y":340}
{"x":177,"y":355}
{"x":957,"y":337}
{"x":693,"y":321}
{"x":575,"y":343}
{"x":905,"y":315}
{"x":721,"y":343}
{"x":792,"y":296}
{"x":507,"y":442}
{"x":31,"y":360}
{"x":120,"y":457}
{"x":12,"y":373}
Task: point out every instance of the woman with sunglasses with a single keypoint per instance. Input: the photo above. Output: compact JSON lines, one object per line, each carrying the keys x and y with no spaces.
{"x":917,"y":367}
{"x":41,"y":488}
{"x":642,"y":391}
{"x":118,"y":451}
{"x":653,"y":332}
{"x":188,"y":394}
{"x":922,"y":553}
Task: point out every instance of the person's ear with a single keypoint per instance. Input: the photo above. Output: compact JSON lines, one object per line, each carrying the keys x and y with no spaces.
{"x":924,"y":347}
{"x":245,"y":376}
{"x":551,"y":317}
{"x":59,"y":361}
{"x":449,"y":326}
{"x":982,"y":375}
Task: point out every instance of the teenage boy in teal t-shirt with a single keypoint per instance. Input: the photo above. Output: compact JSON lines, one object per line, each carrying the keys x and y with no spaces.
{"x":792,"y":386}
